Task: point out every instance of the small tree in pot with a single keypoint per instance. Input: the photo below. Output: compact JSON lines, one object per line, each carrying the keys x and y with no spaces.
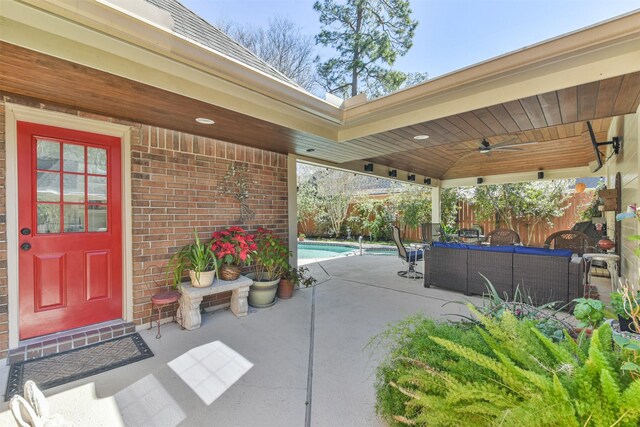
{"x":271,"y":257}
{"x":292,"y":278}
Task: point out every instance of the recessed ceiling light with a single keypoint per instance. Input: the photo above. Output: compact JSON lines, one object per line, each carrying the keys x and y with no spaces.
{"x":310,"y":150}
{"x":421,"y":137}
{"x":204,"y":121}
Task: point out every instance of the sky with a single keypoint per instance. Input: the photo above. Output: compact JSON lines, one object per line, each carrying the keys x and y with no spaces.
{"x":451,"y":34}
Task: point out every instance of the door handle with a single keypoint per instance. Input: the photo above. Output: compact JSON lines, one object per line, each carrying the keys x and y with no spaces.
{"x":25,"y":246}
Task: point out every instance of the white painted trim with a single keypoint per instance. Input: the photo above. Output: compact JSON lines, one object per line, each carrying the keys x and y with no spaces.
{"x":379,"y":171}
{"x":579,"y":172}
{"x":292,"y":208}
{"x":436,"y":205}
{"x":15,"y":113}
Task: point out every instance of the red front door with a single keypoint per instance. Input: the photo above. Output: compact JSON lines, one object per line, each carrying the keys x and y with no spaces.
{"x":69,"y":227}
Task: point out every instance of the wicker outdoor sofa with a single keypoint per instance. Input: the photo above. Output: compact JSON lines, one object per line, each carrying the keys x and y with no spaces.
{"x":544,"y":275}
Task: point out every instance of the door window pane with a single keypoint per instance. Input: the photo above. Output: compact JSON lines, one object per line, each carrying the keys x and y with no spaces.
{"x":73,"y":188}
{"x":73,"y":158}
{"x":48,"y":187}
{"x":97,"y":189}
{"x":98,"y":218}
{"x":97,"y":161}
{"x":48,"y":218}
{"x":73,"y":218}
{"x":48,"y":154}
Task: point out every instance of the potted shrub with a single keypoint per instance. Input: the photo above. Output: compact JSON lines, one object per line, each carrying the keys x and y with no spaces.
{"x":199,"y":259}
{"x":233,"y":248}
{"x":291,"y":278}
{"x":301,"y":237}
{"x":589,"y":312}
{"x":272,"y":259}
{"x":626,"y":305}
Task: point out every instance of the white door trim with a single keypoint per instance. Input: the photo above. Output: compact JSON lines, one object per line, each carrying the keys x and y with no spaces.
{"x":15,"y":113}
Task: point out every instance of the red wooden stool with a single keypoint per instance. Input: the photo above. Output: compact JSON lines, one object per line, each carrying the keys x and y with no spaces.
{"x":160,"y":299}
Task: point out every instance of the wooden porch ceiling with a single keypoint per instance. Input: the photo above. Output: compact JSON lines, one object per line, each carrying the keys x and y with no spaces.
{"x":556,"y":120}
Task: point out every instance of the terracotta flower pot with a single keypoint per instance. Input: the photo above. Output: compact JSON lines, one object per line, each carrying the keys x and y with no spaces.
{"x":202,"y":280}
{"x":285,"y":289}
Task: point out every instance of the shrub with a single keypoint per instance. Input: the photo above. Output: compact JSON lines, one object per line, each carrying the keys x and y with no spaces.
{"x":412,"y":340}
{"x":525,"y":379}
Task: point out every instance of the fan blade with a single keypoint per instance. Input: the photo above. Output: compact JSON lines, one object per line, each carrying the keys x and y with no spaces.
{"x":511,"y":144}
{"x":507,"y":148}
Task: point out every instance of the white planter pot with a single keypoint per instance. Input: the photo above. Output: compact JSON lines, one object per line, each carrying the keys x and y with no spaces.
{"x":262,"y":294}
{"x":206,"y":278}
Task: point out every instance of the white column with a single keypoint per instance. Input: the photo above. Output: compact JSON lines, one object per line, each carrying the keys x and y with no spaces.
{"x":435,"y":204}
{"x":292,"y":203}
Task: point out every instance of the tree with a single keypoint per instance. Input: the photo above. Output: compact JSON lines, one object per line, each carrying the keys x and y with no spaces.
{"x":373,"y":218}
{"x":532,"y":202}
{"x":307,"y":206}
{"x":282,"y":45}
{"x":335,"y":191}
{"x":413,"y":206}
{"x":449,"y":206}
{"x":367,"y":34}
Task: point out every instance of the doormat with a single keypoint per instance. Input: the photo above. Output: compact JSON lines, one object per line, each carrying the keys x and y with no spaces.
{"x":56,"y":369}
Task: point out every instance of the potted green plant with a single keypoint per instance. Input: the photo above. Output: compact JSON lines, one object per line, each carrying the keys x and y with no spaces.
{"x":272,"y":259}
{"x":291,"y":278}
{"x":301,"y":237}
{"x":199,"y":259}
{"x":233,"y":247}
{"x":626,"y":305}
{"x":589,"y":312}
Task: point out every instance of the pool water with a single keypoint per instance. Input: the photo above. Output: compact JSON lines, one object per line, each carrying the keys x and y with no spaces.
{"x":319,"y":250}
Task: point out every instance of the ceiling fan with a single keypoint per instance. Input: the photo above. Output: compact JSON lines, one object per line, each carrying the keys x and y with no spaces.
{"x":486,"y":148}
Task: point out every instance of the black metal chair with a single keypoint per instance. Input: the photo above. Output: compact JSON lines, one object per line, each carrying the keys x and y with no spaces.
{"x":410,"y":256}
{"x":469,"y":235}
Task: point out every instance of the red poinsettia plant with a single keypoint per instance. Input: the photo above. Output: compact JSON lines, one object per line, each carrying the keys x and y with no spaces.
{"x":233,"y":246}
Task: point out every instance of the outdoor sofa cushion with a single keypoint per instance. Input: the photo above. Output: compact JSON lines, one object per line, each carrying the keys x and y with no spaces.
{"x":503,"y":249}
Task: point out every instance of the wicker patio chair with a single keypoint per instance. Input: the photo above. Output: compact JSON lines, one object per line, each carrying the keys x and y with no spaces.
{"x":411,"y":256}
{"x":577,"y":241}
{"x":502,"y":237}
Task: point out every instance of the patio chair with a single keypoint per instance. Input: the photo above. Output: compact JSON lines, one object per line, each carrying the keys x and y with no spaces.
{"x":431,"y":232}
{"x":469,"y":235}
{"x":502,"y":237}
{"x":410,"y":256}
{"x":159,"y":299}
{"x":577,"y":241}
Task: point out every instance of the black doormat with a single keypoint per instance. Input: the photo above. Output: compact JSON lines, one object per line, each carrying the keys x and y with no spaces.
{"x":62,"y":368}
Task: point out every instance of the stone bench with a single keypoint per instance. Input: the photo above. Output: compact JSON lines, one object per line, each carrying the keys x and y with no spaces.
{"x":191,"y":298}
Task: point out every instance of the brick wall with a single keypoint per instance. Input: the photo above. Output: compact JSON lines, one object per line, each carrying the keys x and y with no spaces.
{"x":175,"y":179}
{"x":174,"y":182}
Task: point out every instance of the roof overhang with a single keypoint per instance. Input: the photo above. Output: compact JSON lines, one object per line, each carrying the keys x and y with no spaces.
{"x":117,"y":41}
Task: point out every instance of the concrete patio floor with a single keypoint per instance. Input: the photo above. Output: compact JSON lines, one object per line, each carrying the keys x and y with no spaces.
{"x":310,"y":364}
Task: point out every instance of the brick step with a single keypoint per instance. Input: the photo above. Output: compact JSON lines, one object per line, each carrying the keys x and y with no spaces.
{"x":62,"y":341}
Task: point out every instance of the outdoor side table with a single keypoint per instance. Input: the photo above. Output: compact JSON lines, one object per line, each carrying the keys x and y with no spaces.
{"x":191,"y":298}
{"x":612,"y":265}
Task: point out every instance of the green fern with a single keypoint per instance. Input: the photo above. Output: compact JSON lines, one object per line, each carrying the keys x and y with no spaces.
{"x":527,"y":380}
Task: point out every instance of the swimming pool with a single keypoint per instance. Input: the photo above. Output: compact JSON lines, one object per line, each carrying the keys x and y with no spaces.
{"x":319,"y":250}
{"x":322,"y":250}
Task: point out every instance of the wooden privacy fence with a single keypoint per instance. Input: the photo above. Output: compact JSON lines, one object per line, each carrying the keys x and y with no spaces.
{"x":466,"y":219}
